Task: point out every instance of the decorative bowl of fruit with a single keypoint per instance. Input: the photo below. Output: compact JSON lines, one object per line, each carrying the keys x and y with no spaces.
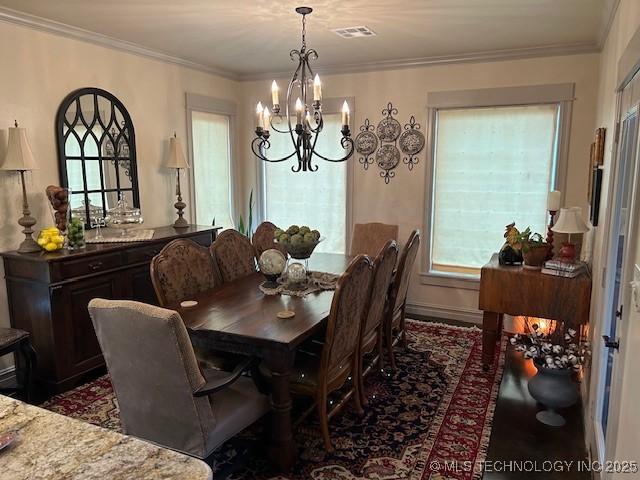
{"x":300,"y":242}
{"x":50,"y":239}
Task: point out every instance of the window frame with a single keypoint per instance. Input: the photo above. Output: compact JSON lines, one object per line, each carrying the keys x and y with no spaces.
{"x":561,"y":95}
{"x":204,"y":104}
{"x":330,"y":106}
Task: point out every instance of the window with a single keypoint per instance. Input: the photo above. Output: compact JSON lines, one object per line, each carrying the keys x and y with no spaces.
{"x":491,"y":165}
{"x":316,"y":199}
{"x":211,"y":124}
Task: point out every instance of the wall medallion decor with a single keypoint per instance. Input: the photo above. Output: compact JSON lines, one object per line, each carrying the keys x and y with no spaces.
{"x":411,"y":142}
{"x":389,"y":143}
{"x":366,"y":144}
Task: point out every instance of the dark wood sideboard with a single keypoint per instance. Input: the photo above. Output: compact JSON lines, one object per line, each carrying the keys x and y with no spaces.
{"x":48,"y":295}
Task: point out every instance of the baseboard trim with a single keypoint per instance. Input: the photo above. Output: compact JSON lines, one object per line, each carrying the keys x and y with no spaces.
{"x":442,"y":311}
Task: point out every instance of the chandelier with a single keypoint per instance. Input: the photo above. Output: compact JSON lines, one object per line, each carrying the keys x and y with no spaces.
{"x":305,"y":125}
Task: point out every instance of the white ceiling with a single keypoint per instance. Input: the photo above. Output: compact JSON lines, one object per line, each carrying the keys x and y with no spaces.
{"x":246,"y":37}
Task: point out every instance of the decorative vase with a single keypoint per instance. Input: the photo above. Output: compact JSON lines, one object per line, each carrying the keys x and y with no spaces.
{"x":554,"y":389}
{"x":534,"y":256}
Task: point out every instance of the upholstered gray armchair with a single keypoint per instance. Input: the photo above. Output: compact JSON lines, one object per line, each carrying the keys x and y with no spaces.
{"x":163,"y":396}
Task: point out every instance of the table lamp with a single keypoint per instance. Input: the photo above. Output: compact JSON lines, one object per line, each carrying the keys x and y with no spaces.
{"x":19,"y":158}
{"x":570,"y":221}
{"x":177,"y":161}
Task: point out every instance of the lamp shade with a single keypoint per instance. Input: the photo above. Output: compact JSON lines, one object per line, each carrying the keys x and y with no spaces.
{"x":570,"y":221}
{"x":176,"y":157}
{"x":19,"y":155}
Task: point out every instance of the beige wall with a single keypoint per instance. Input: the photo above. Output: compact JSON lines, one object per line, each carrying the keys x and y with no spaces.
{"x":402,"y":201}
{"x":39,"y":70}
{"x":626,"y":23}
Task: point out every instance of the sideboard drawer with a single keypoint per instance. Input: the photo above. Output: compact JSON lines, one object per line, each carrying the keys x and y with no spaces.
{"x":143,"y":254}
{"x":88,"y":266}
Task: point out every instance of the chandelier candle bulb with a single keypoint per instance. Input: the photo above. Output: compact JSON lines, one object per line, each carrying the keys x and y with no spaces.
{"x":275,"y":99}
{"x":345,"y":114}
{"x":259,"y":114}
{"x":317,"y":88}
{"x":553,"y":200}
{"x":299,"y":111}
{"x":266,"y":117}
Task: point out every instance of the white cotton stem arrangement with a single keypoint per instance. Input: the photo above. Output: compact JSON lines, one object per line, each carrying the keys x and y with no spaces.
{"x":557,"y":350}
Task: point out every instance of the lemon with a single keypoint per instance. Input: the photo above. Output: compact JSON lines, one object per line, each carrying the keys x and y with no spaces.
{"x":42,"y":241}
{"x":50,"y":247}
{"x":57,"y":239}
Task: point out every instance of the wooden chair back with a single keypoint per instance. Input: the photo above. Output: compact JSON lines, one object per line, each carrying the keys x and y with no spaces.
{"x":383,"y":267}
{"x":349,"y":305}
{"x":400,"y":285}
{"x":263,"y":239}
{"x":182,"y":269}
{"x":369,"y":238}
{"x":234,"y":255}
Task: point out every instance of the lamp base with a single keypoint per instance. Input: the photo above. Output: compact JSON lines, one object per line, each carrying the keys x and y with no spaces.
{"x":180,"y":222}
{"x":28,"y":245}
{"x":568,"y":253}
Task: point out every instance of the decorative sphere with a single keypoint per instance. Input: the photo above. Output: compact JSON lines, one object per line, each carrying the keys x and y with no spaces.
{"x":296,"y":273}
{"x":272,"y":262}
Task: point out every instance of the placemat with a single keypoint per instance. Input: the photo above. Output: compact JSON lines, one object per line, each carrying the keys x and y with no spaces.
{"x":316,"y":281}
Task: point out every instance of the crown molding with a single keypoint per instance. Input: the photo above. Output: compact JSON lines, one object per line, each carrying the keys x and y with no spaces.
{"x":476,"y":57}
{"x":608,"y":15}
{"x":15,"y":17}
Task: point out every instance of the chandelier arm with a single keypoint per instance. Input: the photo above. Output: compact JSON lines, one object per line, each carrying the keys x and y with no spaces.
{"x":288,"y":105}
{"x":259,"y":143}
{"x":345,"y":142}
{"x":294,"y":168}
{"x":276,"y":129}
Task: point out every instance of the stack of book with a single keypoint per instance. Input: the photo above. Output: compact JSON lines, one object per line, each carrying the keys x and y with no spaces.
{"x":562,"y":269}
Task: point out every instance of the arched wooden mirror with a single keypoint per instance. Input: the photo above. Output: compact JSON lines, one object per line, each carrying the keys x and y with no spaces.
{"x":96,"y":151}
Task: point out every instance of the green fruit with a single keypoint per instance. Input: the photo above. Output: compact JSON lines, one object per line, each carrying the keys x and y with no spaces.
{"x":296,"y":239}
{"x":277,"y":233}
{"x":293,"y":229}
{"x":316,"y":234}
{"x":304,"y":230}
{"x":284,"y":238}
{"x":309,"y":237}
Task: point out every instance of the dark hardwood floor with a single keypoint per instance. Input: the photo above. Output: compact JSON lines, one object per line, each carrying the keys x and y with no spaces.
{"x":520,"y":446}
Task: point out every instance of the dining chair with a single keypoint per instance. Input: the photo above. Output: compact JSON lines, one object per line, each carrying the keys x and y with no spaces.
{"x":180,"y":271}
{"x":319,"y":375}
{"x":233,"y":254}
{"x":397,"y":299}
{"x":163,"y":396}
{"x":371,"y":331}
{"x":369,"y":238}
{"x":263,"y":239}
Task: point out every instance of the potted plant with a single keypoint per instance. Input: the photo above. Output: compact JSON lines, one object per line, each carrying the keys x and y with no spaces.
{"x":556,"y":355}
{"x":535,"y":249}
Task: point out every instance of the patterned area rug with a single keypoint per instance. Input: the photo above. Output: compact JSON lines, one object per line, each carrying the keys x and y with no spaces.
{"x":436,"y":409}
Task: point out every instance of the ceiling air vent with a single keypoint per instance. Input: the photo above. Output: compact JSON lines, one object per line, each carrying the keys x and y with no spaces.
{"x":354,"y":32}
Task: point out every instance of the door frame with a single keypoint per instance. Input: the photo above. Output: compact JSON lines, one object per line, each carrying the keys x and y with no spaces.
{"x":628,"y":263}
{"x":608,"y":446}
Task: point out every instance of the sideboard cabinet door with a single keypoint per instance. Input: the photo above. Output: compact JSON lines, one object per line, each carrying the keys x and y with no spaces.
{"x":75,"y":339}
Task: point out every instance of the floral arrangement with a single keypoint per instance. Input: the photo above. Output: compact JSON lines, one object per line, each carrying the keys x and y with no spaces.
{"x":557,"y":350}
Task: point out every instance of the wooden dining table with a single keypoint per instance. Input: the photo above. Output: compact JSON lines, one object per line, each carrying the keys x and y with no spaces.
{"x":238,"y":317}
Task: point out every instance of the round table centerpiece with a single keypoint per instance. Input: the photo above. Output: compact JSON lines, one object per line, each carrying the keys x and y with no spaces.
{"x":299,"y":242}
{"x":272,"y":263}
